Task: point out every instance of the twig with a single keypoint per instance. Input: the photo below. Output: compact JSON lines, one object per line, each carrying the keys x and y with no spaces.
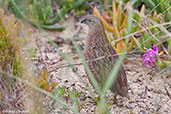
{"x":64,"y":66}
{"x":102,"y":57}
{"x":44,"y":62}
{"x":158,"y":25}
{"x":167,"y":93}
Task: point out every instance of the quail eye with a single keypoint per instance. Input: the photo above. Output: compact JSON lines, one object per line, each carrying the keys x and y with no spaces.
{"x":89,"y":20}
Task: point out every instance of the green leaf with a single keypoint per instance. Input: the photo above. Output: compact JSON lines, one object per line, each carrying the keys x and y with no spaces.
{"x":16,"y":9}
{"x":149,"y":3}
{"x":48,"y":12}
{"x":77,"y":3}
{"x":159,"y":8}
{"x":57,"y":18}
{"x":32,"y":52}
{"x":141,"y":41}
{"x":47,"y":2}
{"x":134,"y":2}
{"x":15,"y":66}
{"x":147,"y":39}
{"x":137,"y":44}
{"x":39,"y":9}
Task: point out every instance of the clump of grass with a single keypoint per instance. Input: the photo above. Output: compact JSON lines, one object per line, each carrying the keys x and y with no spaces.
{"x":15,"y":67}
{"x":10,"y":45}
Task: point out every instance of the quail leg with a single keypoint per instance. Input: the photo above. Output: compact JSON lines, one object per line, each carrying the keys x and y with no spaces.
{"x":114,"y":99}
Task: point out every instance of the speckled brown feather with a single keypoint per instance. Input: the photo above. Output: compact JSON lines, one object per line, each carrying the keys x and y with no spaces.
{"x":98,"y":45}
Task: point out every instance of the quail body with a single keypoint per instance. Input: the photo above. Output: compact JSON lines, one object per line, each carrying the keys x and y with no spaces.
{"x":97,"y":46}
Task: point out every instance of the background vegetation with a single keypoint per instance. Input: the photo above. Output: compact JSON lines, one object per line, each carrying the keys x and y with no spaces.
{"x":131,"y":26}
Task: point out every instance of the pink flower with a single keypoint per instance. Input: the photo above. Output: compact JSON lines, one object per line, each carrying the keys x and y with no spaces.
{"x":150,"y":56}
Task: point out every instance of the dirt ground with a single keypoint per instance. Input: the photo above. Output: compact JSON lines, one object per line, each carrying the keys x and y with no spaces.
{"x":149,"y":88}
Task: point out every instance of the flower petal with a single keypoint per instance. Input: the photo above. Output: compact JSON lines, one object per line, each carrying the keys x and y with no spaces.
{"x":155,"y":48}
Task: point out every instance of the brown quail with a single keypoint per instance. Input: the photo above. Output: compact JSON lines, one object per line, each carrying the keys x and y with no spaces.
{"x":98,"y":45}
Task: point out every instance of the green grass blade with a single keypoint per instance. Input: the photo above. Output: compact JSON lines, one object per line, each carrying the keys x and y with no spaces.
{"x":53,"y":27}
{"x":113,"y":73}
{"x":16,"y":9}
{"x":94,"y":82}
{"x":129,"y":23}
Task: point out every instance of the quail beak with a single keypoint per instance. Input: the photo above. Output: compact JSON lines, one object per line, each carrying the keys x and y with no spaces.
{"x":83,"y":21}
